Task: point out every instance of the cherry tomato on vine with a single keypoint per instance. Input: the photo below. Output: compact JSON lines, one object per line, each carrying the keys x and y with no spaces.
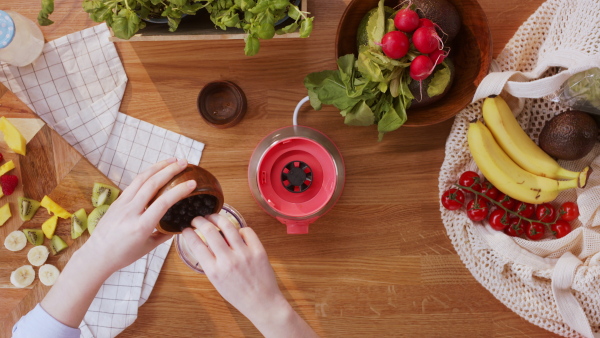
{"x":477,"y":209}
{"x":561,"y":228}
{"x":470,"y":179}
{"x":499,"y":220}
{"x":568,"y":211}
{"x":525,"y":209}
{"x":453,"y":199}
{"x":489,"y":190}
{"x":506,"y":201}
{"x":545,"y":213}
{"x":534,"y":230}
{"x":515,"y":227}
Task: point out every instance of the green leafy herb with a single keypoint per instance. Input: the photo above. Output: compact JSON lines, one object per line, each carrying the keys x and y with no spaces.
{"x":256,"y":17}
{"x":439,"y":81}
{"x":47,"y":9}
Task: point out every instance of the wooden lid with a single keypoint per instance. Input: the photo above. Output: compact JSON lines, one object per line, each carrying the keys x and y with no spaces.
{"x":222,"y":104}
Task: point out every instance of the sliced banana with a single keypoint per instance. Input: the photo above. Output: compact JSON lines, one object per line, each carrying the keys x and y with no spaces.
{"x":38,"y":255}
{"x":23,"y":276}
{"x":48,"y":274}
{"x":15,"y":241}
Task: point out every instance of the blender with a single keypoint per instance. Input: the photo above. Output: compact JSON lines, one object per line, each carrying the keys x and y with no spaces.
{"x":296,"y":174}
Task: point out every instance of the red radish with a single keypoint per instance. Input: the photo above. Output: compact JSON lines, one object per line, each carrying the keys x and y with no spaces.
{"x":426,"y":40}
{"x":421,"y":67}
{"x":395,"y":44}
{"x":426,"y":23}
{"x":438,"y":56}
{"x":406,"y":20}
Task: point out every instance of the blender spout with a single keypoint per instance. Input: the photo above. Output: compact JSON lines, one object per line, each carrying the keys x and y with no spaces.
{"x":296,"y":227}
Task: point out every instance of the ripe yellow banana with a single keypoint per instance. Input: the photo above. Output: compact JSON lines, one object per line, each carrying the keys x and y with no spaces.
{"x":520,"y":147}
{"x":505,"y":174}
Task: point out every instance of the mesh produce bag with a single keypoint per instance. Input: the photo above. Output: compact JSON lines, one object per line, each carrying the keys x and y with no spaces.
{"x":552,"y":283}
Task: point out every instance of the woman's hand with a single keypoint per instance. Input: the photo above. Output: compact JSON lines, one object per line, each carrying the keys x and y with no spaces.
{"x":126,"y":232}
{"x":237,"y":265}
{"x":123,"y":235}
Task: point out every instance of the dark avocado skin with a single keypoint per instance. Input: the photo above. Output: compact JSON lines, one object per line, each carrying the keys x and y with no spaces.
{"x":424,"y":99}
{"x":442,"y":13}
{"x":569,"y":136}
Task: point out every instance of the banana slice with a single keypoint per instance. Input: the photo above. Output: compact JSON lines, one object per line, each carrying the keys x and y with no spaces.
{"x":23,"y":276}
{"x":48,"y":274}
{"x":38,"y":255}
{"x":15,"y":241}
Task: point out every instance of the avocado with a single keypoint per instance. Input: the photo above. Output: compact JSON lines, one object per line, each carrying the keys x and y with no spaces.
{"x":442,"y":13}
{"x":419,"y":91}
{"x":569,"y":136}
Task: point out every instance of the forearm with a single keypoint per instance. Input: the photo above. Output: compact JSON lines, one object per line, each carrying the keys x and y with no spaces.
{"x":281,"y":321}
{"x":70,"y":297}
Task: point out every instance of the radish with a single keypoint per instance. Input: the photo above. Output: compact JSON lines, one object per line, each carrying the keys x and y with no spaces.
{"x":438,"y":56}
{"x":395,"y":44}
{"x":406,"y":20}
{"x":426,"y":40}
{"x":421,"y":67}
{"x":426,"y":23}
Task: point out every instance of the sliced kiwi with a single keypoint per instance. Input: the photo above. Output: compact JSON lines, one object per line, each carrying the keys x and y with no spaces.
{"x":104,"y":194}
{"x":57,"y":245}
{"x":95,"y":217}
{"x":34,"y":236}
{"x":78,"y":223}
{"x":27,"y":208}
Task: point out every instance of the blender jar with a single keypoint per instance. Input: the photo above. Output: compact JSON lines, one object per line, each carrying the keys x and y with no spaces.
{"x":21,"y":40}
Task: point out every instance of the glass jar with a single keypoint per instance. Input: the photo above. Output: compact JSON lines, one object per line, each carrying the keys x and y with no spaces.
{"x":21,"y":40}
{"x":184,"y":251}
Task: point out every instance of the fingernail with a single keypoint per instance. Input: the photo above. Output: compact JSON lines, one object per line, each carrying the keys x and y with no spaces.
{"x":191,"y":183}
{"x":171,"y":160}
{"x":182,"y":162}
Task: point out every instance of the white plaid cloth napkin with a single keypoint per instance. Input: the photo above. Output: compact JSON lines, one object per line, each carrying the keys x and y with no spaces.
{"x":76,"y":86}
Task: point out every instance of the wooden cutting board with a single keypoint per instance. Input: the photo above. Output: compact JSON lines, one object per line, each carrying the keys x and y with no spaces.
{"x":51,"y":167}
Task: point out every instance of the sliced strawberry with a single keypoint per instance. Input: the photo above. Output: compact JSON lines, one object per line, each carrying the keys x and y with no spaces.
{"x":8,"y":183}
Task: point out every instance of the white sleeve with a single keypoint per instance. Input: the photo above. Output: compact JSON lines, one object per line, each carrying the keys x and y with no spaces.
{"x":39,"y":324}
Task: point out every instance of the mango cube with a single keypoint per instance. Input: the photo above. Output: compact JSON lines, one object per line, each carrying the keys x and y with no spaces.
{"x":4,"y":214}
{"x":12,"y":136}
{"x":54,"y":208}
{"x":6,"y":167}
{"x":50,"y":226}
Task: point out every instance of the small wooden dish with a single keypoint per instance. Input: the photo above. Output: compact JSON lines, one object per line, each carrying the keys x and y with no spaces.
{"x":471,"y":53}
{"x":222,"y":104}
{"x":206,"y":184}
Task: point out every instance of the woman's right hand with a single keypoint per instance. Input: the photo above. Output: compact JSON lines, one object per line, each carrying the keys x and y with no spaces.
{"x":237,"y":265}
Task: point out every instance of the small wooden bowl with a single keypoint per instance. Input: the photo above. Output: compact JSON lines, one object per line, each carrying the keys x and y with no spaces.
{"x":222,"y":104}
{"x":206,"y":184}
{"x":471,"y":53}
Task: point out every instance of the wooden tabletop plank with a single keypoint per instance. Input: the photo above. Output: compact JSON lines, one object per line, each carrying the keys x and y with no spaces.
{"x":377,"y":264}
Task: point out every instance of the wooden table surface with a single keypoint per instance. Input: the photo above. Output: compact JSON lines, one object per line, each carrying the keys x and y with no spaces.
{"x":379,"y":263}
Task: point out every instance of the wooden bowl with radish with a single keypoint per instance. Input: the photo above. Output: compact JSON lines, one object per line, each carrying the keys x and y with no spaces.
{"x":470,"y":53}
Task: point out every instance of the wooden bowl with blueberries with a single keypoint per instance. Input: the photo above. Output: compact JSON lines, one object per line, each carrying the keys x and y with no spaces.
{"x":460,"y":24}
{"x":206,"y":199}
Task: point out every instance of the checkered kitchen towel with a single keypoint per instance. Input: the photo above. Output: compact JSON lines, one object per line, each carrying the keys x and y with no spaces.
{"x":76,"y":86}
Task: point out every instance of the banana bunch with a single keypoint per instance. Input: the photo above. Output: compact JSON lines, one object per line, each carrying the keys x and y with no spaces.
{"x":512,"y":162}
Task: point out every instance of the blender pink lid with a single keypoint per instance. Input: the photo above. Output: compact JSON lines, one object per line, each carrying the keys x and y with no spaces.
{"x":296,"y":174}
